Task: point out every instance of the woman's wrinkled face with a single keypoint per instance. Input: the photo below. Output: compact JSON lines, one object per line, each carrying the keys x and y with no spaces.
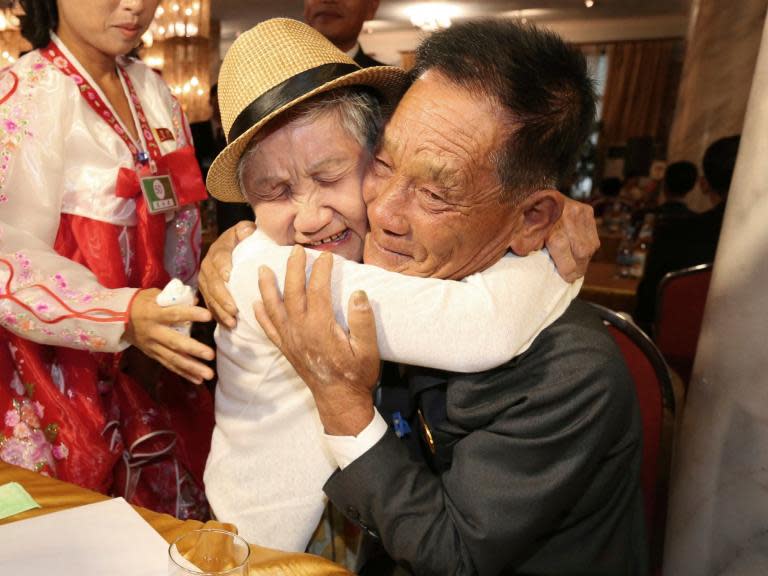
{"x":112,"y":27}
{"x":304,"y":181}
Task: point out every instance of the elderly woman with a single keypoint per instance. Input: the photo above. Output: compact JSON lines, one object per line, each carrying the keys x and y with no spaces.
{"x":301,"y":122}
{"x":98,"y":192}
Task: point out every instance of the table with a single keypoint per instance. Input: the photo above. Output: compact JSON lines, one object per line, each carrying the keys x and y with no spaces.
{"x":54,"y":495}
{"x":603,"y":285}
{"x":609,"y":247}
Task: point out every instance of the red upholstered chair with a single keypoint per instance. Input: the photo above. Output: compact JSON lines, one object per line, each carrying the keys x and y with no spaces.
{"x":657,"y":409}
{"x":679,"y":312}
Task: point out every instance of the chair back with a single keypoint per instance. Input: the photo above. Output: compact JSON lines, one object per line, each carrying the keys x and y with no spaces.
{"x":679,"y":311}
{"x":655,"y":396}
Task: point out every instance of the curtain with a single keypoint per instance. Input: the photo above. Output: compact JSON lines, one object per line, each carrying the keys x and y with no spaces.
{"x":640,"y":90}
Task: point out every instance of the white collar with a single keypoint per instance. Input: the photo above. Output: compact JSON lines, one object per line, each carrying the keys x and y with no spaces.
{"x":352,"y":52}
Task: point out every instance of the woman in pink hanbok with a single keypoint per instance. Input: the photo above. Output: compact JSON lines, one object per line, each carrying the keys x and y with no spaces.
{"x":98,"y":210}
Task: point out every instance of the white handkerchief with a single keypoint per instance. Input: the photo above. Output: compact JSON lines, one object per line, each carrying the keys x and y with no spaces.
{"x":104,"y":539}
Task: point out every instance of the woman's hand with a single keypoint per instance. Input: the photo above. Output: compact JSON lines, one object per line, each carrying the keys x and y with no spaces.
{"x":215,"y":269}
{"x":150,"y":330}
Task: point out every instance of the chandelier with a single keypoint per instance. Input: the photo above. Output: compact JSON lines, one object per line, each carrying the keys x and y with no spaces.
{"x":431,"y":16}
{"x":11,"y":42}
{"x":179,"y":19}
{"x":8,"y":20}
{"x":178,"y":45}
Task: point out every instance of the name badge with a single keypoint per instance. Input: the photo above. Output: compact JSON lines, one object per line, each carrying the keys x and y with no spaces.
{"x":164,"y":135}
{"x":159,"y":193}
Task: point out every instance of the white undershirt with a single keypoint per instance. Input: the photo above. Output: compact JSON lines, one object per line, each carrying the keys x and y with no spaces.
{"x":352,"y":52}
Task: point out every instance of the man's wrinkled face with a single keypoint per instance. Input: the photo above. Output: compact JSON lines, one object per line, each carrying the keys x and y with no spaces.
{"x":304,"y":183}
{"x":432,"y":192}
{"x":339,"y":20}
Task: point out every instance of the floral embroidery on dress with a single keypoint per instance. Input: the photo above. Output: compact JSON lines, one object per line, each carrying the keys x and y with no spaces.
{"x":15,"y":111}
{"x":29,"y":444}
{"x":26,"y":277}
{"x":24,"y":323}
{"x":32,"y":303}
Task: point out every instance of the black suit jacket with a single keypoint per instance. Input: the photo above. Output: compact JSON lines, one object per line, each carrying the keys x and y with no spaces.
{"x":677,"y":243}
{"x":365,"y":61}
{"x":207,"y":144}
{"x":535,"y":466}
{"x":207,"y":147}
{"x":673,"y":209}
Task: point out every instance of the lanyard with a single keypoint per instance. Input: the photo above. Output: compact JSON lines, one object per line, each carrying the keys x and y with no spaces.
{"x":53,"y":54}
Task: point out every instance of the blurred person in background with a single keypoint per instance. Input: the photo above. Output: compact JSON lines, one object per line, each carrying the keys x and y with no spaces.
{"x":684,"y":242}
{"x":679,"y":180}
{"x":608,"y":196}
{"x":208,"y":134}
{"x":611,"y":211}
{"x":341,"y":22}
{"x":717,"y":166}
{"x":98,"y":210}
{"x":209,"y":140}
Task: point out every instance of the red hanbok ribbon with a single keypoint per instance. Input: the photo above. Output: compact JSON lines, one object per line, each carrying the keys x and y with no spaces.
{"x":181,"y":165}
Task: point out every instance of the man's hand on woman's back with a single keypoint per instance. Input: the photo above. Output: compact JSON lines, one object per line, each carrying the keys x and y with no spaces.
{"x":215,"y":269}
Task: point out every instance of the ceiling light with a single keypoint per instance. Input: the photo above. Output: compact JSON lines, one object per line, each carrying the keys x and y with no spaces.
{"x":431,"y":16}
{"x":528,"y":13}
{"x":589,"y":3}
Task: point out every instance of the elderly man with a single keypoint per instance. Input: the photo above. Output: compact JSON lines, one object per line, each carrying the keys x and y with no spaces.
{"x":531,"y":467}
{"x":341,"y":21}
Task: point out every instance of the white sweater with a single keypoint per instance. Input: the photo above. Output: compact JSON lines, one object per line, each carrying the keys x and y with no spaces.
{"x":268,"y":459}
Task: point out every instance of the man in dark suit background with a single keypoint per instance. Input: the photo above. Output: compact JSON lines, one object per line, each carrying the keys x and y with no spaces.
{"x":532,"y":467}
{"x":209,"y":140}
{"x":341,"y":22}
{"x":683,"y":242}
{"x":209,"y":135}
{"x":718,"y":165}
{"x":679,"y":180}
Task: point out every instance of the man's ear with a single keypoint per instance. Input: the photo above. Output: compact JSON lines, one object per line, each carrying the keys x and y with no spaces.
{"x":538,"y":214}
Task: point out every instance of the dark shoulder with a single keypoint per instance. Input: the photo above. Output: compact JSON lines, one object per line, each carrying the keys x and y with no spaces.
{"x":577,"y":339}
{"x":365,"y":61}
{"x":201,"y":131}
{"x":574,"y":357}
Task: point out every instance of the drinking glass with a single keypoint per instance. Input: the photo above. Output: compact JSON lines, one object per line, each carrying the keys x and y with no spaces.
{"x":208,"y":552}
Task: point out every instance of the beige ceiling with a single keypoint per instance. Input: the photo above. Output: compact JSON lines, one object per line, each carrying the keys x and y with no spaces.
{"x":238,"y":15}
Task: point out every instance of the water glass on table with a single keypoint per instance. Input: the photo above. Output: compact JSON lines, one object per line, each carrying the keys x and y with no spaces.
{"x":208,"y":552}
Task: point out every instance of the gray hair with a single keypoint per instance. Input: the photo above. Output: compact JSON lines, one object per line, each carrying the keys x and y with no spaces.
{"x":359,"y":110}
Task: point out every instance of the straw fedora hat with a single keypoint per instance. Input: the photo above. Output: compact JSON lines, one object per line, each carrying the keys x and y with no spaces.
{"x":270,"y":68}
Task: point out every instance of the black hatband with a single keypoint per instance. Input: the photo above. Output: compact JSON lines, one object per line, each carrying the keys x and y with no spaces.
{"x":286,"y":92}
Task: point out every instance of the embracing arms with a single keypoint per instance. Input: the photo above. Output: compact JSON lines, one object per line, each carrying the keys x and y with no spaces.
{"x":464,"y":326}
{"x":571,"y":244}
